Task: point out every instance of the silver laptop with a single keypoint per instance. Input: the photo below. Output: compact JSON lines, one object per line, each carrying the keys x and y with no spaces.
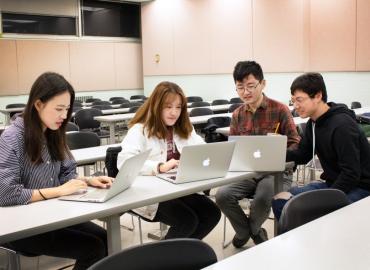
{"x":124,"y":179}
{"x":201,"y":162}
{"x":259,"y":153}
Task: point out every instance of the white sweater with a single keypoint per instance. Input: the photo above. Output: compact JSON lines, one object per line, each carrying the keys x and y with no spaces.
{"x":137,"y":141}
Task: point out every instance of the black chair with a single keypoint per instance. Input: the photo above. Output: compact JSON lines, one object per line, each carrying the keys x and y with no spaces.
{"x":236,"y":100}
{"x":102,"y":107}
{"x":90,"y":100}
{"x":116,"y":98}
{"x":125,"y":105}
{"x":220,"y":102}
{"x":200,"y":111}
{"x":76,"y":108}
{"x":355,"y":105}
{"x":120,"y":101}
{"x":142,"y":97}
{"x":14,"y":105}
{"x":72,"y":127}
{"x":179,"y":254}
{"x":82,"y":139}
{"x":198,"y":104}
{"x":13,"y":257}
{"x":136,"y":103}
{"x":211,"y":126}
{"x":101,"y":102}
{"x":77,"y":102}
{"x":193,"y":99}
{"x":234,"y":106}
{"x":85,"y":120}
{"x":310,"y":205}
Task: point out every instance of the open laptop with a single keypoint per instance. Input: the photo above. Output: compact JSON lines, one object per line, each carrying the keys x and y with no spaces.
{"x":201,"y":162}
{"x":259,"y":153}
{"x":124,"y":179}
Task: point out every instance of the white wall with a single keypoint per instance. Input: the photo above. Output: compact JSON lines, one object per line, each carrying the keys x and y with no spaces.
{"x":342,"y":87}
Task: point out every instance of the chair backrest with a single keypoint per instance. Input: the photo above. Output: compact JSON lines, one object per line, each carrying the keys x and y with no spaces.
{"x":82,"y":139}
{"x":72,"y":127}
{"x":220,"y":102}
{"x":101,"y":102}
{"x":15,"y":105}
{"x":120,"y":101}
{"x":310,"y":205}
{"x":137,"y":97}
{"x":234,"y":106}
{"x":133,"y":109}
{"x":194,"y":98}
{"x":116,"y":98}
{"x":179,"y":254}
{"x":102,"y":107}
{"x":355,"y":105}
{"x":125,"y":105}
{"x":219,"y":121}
{"x":236,"y":100}
{"x":111,"y":160}
{"x":85,"y":118}
{"x":301,"y":128}
{"x":200,"y":111}
{"x":92,"y":100}
{"x":136,"y":103}
{"x":212,"y":124}
{"x":197,"y":104}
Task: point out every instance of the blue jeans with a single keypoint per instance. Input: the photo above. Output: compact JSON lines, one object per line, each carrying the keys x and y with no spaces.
{"x":353,"y":196}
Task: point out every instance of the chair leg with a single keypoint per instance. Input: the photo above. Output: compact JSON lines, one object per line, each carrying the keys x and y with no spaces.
{"x":14,"y":261}
{"x":140,"y":231}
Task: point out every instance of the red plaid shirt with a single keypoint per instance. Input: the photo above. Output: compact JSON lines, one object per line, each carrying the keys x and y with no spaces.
{"x":265,"y":120}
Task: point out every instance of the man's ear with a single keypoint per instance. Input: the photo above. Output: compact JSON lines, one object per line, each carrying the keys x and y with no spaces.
{"x":38,"y":105}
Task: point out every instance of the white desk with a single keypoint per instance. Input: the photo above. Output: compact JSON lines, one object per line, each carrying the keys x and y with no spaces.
{"x":226,"y":130}
{"x":90,"y":155}
{"x":35,"y":218}
{"x":214,"y":108}
{"x":339,"y":240}
{"x":362,"y":110}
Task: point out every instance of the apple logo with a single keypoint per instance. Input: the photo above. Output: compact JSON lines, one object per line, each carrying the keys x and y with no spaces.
{"x":257,"y":154}
{"x":206,"y":162}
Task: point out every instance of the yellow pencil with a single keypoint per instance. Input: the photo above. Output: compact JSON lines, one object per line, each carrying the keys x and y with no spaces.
{"x":277,"y":128}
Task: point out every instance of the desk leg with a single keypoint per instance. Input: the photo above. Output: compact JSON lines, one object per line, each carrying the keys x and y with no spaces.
{"x":278,"y":187}
{"x":112,"y":133}
{"x":114,"y":234}
{"x":7,"y":119}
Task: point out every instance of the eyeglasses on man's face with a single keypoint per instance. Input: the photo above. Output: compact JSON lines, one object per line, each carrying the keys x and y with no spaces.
{"x":250,"y":88}
{"x":298,"y":100}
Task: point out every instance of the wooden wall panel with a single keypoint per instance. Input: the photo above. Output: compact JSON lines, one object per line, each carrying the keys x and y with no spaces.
{"x":157,"y":37}
{"x":92,"y":65}
{"x":36,"y":57}
{"x":363,"y":35}
{"x":191,"y":39}
{"x":128,"y":66}
{"x":230,"y":33}
{"x":278,"y":35}
{"x":8,"y":68}
{"x":332,"y":35}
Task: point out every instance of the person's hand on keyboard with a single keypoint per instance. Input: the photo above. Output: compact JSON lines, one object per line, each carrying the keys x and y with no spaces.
{"x":100,"y":181}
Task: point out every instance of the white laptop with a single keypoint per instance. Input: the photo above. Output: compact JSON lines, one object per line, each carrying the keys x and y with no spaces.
{"x":124,"y":179}
{"x":259,"y":153}
{"x":201,"y":162}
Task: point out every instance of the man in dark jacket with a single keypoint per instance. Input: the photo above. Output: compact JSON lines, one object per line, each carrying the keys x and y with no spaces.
{"x":334,"y":136}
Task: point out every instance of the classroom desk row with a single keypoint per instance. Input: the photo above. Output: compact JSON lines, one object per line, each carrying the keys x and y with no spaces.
{"x":39,"y":217}
{"x":339,"y":240}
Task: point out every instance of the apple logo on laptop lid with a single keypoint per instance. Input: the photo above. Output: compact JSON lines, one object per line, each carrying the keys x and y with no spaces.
{"x":206,"y":162}
{"x":257,"y":154}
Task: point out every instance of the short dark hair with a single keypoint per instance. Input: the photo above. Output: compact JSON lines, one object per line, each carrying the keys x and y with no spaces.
{"x":245,"y":68}
{"x":311,"y":83}
{"x":46,"y":86}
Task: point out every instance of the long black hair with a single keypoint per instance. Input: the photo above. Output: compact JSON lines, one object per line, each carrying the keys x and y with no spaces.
{"x":46,"y":86}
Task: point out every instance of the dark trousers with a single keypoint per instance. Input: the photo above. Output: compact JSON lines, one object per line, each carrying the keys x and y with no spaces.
{"x":86,"y":243}
{"x":192,"y":216}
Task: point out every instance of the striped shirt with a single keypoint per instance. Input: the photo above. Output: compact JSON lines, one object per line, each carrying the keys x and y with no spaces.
{"x":19,"y":176}
{"x":269,"y":117}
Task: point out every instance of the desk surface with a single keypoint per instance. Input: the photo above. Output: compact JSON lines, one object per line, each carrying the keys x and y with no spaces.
{"x":339,"y":241}
{"x":92,"y":154}
{"x":43,"y":216}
